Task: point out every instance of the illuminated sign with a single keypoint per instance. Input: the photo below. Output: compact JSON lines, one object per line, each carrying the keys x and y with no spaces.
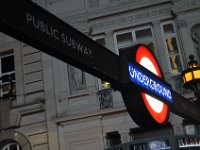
{"x":142,"y":79}
{"x":157,"y":109}
{"x":188,"y":142}
{"x":159,"y":145}
{"x":142,"y":146}
{"x":152,"y":145}
{"x":146,"y":103}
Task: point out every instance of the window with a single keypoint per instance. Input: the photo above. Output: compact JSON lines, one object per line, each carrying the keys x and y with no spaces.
{"x":143,"y":35}
{"x":172,"y":47}
{"x":77,"y":82}
{"x":102,"y":85}
{"x":113,"y":138}
{"x":7,"y":74}
{"x":190,"y":129}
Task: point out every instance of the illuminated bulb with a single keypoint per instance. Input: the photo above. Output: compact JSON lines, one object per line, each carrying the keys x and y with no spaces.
{"x":15,"y":134}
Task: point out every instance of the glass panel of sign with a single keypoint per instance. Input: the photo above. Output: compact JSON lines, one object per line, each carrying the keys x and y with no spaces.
{"x":151,"y":145}
{"x":139,"y":146}
{"x":159,"y":144}
{"x":189,"y":143}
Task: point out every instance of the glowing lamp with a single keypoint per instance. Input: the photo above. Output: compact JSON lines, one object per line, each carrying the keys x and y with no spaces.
{"x":191,"y":77}
{"x":105,"y":84}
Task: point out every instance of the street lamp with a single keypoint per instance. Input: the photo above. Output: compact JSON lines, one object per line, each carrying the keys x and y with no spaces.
{"x":191,"y":78}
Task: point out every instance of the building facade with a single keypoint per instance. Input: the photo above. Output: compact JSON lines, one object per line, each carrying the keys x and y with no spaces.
{"x":55,"y":106}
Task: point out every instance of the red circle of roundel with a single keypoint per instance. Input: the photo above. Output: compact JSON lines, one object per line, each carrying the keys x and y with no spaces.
{"x":161,"y":116}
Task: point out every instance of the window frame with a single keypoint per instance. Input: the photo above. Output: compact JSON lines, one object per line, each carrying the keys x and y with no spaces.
{"x":135,"y":41}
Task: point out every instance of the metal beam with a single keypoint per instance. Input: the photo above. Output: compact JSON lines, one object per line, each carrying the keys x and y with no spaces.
{"x":184,"y":108}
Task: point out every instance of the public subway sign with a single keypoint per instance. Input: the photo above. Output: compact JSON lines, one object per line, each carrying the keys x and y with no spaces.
{"x":28,"y":22}
{"x":148,"y":102}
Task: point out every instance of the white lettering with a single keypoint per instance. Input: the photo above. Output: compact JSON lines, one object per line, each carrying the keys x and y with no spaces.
{"x":86,"y":51}
{"x":58,"y":35}
{"x":90,"y":53}
{"x":140,"y":78}
{"x":42,"y":26}
{"x":80,"y":47}
{"x":146,"y":80}
{"x":28,"y":18}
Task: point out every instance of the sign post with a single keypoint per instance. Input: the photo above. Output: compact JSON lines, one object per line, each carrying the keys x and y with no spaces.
{"x":26,"y":21}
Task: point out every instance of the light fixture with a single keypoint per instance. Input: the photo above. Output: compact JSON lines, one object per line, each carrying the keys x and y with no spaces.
{"x":191,"y":78}
{"x":15,"y":134}
{"x":105,"y":84}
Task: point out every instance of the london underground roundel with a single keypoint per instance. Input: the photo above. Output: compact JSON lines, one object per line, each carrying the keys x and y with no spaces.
{"x":156,"y":108}
{"x":146,"y":110}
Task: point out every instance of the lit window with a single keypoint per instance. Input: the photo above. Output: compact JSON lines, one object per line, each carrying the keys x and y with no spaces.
{"x":102,"y":84}
{"x":172,"y":47}
{"x":7,"y":74}
{"x":143,"y":35}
